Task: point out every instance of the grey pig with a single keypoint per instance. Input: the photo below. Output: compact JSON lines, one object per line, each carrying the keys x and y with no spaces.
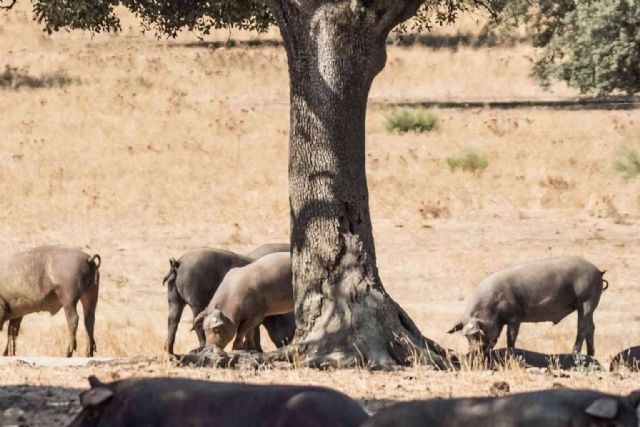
{"x":169,"y":402}
{"x":539,"y":291}
{"x":629,"y":357}
{"x":194,"y":278}
{"x":245,"y":296}
{"x":49,"y":278}
{"x":547,"y":408}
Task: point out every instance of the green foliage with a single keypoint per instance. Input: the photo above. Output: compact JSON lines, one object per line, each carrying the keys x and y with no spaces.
{"x":440,"y":12}
{"x":468,"y":160}
{"x":592,"y":45}
{"x":14,"y":78}
{"x":405,"y":120}
{"x":163,"y":17}
{"x":628,"y":163}
{"x":93,"y":15}
{"x":168,"y":17}
{"x":598,"y":48}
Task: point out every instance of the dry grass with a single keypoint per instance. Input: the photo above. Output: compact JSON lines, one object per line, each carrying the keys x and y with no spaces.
{"x":163,"y":147}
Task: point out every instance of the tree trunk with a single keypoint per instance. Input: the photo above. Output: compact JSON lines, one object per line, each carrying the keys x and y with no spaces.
{"x":343,"y":314}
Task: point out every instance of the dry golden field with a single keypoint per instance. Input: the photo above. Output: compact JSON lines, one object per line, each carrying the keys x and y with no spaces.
{"x":153,"y":147}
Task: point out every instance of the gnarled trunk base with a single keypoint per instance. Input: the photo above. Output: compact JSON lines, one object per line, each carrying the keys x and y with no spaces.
{"x":344,"y":317}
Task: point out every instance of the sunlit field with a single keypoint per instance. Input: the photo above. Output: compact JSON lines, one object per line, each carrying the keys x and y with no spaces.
{"x":140,"y":149}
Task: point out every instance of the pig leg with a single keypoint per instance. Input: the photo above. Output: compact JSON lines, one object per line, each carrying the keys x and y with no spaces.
{"x":239,"y":342}
{"x":3,"y":312}
{"x":246,"y":334}
{"x":12,"y":336}
{"x":202,"y":339}
{"x":586,"y":328}
{"x":591,"y":348}
{"x":89,"y":302}
{"x":512,"y":333}
{"x":71,"y":314}
{"x":176,"y":306}
{"x":256,"y":339}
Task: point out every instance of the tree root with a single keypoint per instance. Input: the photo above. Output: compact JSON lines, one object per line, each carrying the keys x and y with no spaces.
{"x":211,"y":357}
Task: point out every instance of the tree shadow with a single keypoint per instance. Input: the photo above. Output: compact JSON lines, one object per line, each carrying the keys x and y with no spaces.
{"x":454,"y":41}
{"x":28,"y":405}
{"x":431,"y":41}
{"x":609,"y":103}
{"x":229,"y":44}
{"x":14,"y":78}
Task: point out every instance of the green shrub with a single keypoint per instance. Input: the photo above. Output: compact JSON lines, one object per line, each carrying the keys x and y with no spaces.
{"x":468,"y":160}
{"x":405,"y":120}
{"x":628,"y":163}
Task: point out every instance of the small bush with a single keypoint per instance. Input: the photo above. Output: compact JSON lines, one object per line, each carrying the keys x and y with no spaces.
{"x":469,"y":161}
{"x":404,"y":120}
{"x":14,"y":78}
{"x":628,"y":163}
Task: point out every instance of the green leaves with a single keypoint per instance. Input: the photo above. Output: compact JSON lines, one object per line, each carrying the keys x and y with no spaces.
{"x":163,"y":17}
{"x":94,"y":15}
{"x":592,"y":45}
{"x":598,"y":49}
{"x":170,"y":16}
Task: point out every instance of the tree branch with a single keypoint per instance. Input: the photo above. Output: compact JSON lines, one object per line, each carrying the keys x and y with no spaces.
{"x":10,"y":6}
{"x":393,"y":12}
{"x":485,"y":6}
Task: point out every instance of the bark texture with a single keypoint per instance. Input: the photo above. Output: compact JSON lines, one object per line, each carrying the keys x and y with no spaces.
{"x":343,"y":314}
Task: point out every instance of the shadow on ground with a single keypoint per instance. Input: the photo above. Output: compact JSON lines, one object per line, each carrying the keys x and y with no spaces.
{"x":432,"y":41}
{"x":15,"y":78}
{"x":27,"y":405}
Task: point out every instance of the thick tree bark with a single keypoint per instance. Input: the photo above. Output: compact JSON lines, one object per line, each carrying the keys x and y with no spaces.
{"x":343,"y":314}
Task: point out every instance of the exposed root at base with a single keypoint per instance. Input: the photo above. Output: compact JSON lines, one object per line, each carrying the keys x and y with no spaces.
{"x":211,"y":357}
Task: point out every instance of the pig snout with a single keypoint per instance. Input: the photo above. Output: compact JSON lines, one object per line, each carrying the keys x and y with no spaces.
{"x":481,"y":333}
{"x":219,"y":336}
{"x":218,"y":329}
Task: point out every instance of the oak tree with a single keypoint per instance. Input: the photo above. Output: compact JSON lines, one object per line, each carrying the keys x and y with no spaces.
{"x":335,"y":49}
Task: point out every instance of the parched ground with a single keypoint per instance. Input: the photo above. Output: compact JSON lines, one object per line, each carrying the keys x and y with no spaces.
{"x":140,"y":149}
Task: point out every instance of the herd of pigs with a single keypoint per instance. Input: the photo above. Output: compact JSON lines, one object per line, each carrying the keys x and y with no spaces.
{"x":231,"y":295}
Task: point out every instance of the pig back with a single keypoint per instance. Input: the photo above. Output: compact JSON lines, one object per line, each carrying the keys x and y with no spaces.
{"x":20,"y":278}
{"x":272,"y":277}
{"x":28,"y":279}
{"x":201,"y":271}
{"x":548,"y":408}
{"x":176,"y":402}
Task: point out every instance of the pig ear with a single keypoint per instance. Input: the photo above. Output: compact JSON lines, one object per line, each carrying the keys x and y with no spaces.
{"x":95,"y":382}
{"x":473,"y":327}
{"x":458,"y":327}
{"x":214,"y":319}
{"x":95,"y":396}
{"x":605,"y":408}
